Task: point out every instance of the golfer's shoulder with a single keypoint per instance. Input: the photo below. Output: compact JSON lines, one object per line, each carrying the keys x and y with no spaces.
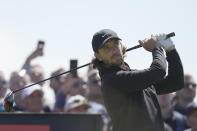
{"x":108,"y":76}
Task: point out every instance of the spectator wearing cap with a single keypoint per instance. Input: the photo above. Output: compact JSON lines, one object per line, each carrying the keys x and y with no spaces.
{"x":77,"y":104}
{"x":36,"y":73}
{"x":72,"y":86}
{"x":191,"y":113}
{"x":185,"y":95}
{"x":17,"y":81}
{"x":33,"y":99}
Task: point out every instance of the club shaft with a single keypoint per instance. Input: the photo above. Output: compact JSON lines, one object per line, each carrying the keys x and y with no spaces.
{"x":51,"y":78}
{"x":132,"y":48}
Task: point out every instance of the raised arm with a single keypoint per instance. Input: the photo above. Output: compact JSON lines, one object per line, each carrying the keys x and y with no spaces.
{"x":132,"y":81}
{"x":175,"y":78}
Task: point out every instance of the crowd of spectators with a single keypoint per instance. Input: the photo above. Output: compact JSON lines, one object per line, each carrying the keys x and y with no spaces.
{"x":179,"y":108}
{"x":75,"y":94}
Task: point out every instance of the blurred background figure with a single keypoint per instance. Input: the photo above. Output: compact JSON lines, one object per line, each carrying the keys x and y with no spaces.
{"x":185,"y":95}
{"x":77,"y":104}
{"x":167,"y":127}
{"x":94,"y":93}
{"x":80,"y":104}
{"x":72,"y":86}
{"x":4,"y":89}
{"x":172,"y":118}
{"x":191,"y":113}
{"x":36,"y":73}
{"x":17,"y":81}
{"x":33,"y":99}
{"x":94,"y":87}
{"x":58,"y":82}
{"x":95,"y":98}
{"x":78,"y":87}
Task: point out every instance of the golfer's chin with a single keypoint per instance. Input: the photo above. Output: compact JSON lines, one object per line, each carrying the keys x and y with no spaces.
{"x":118,"y":62}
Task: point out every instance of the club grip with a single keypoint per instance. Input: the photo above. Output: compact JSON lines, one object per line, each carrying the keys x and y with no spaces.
{"x":170,"y":35}
{"x":138,"y":46}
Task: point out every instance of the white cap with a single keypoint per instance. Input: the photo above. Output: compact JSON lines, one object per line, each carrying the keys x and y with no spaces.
{"x":28,"y":91}
{"x":76,"y":101}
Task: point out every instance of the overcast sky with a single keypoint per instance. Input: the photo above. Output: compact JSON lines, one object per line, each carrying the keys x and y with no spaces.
{"x":67,"y":27}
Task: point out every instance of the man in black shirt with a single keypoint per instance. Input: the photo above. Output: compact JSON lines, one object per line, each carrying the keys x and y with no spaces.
{"x":130,"y":96}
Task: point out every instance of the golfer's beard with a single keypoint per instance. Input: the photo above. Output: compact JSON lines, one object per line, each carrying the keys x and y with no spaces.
{"x":118,"y":62}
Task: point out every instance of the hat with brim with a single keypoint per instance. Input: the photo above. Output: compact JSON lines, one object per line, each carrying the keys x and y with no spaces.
{"x":76,"y":101}
{"x":101,"y":37}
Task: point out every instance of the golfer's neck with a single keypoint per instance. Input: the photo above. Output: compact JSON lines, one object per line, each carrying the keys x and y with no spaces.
{"x":123,"y":66}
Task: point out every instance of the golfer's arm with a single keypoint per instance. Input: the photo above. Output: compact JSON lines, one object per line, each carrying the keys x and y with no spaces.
{"x":175,"y":78}
{"x":131,"y":81}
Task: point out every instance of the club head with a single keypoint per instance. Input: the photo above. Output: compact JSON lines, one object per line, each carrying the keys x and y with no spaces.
{"x":8,"y":102}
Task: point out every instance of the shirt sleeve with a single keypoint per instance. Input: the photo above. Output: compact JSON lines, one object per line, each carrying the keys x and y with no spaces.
{"x":60,"y":100}
{"x":131,"y":81}
{"x":175,"y":78}
{"x":27,"y":68}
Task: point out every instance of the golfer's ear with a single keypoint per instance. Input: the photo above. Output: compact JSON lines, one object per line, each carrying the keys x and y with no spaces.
{"x":98,"y":56}
{"x":121,"y":44}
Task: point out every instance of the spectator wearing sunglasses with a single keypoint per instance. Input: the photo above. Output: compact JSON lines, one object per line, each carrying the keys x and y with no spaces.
{"x":57,"y":82}
{"x":94,"y":87}
{"x":72,"y":86}
{"x":186,"y":95}
{"x":96,"y":100}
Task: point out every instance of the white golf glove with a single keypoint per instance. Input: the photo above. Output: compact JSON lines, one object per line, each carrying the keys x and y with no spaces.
{"x":167,"y":44}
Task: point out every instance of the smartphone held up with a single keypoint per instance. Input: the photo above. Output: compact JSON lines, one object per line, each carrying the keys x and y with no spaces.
{"x":40,"y":47}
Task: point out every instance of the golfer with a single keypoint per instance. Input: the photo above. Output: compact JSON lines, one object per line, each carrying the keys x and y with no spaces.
{"x":130,"y":96}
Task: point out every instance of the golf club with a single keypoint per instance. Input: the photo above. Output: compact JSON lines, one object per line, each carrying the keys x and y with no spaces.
{"x":9,"y":99}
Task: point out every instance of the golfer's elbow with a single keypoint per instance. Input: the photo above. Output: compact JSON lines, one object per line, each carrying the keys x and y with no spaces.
{"x":179,"y":82}
{"x":160,"y":69}
{"x":160,"y":73}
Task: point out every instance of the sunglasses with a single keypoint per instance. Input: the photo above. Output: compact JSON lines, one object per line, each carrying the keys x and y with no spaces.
{"x":3,"y":82}
{"x":78,"y":83}
{"x":189,"y":84}
{"x":95,"y":82}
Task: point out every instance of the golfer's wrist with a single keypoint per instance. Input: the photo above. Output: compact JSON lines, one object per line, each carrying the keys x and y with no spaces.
{"x":156,"y":48}
{"x":170,"y":49}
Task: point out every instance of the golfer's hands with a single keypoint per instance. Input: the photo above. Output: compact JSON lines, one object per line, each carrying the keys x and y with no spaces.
{"x":167,"y":44}
{"x":150,"y":43}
